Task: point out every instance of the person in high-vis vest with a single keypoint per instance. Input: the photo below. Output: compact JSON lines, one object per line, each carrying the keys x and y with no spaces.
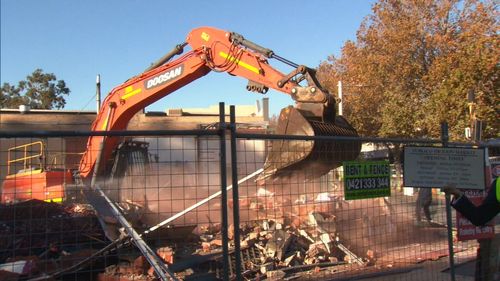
{"x":488,"y":262}
{"x":478,"y":215}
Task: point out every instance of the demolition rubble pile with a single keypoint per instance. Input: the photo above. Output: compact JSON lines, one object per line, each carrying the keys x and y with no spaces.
{"x":298,"y":243}
{"x":36,"y":237}
{"x":271,"y":249}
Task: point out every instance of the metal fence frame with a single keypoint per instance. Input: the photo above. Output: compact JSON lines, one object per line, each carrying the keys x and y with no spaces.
{"x":222,"y":130}
{"x":134,"y":237}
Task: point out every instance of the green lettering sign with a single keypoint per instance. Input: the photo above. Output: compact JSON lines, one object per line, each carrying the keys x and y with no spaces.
{"x":366,"y":179}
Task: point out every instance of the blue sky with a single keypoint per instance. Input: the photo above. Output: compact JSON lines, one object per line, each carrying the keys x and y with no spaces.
{"x":76,"y":40}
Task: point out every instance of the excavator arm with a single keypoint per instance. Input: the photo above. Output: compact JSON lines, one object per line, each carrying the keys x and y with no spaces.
{"x":211,"y":50}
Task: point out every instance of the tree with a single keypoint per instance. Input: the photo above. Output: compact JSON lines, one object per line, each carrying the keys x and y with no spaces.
{"x":412,"y":65}
{"x":39,"y":91}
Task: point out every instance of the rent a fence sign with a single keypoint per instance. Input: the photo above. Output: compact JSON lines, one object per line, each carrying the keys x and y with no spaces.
{"x":366,"y":179}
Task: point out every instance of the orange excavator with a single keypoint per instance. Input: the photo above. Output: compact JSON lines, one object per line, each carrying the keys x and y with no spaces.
{"x":221,"y":51}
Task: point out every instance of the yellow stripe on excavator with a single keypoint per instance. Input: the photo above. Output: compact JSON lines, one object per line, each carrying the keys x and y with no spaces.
{"x":129,"y":91}
{"x":54,"y":200}
{"x":22,"y":174}
{"x":205,"y":36}
{"x":105,"y":124}
{"x":240,"y":63}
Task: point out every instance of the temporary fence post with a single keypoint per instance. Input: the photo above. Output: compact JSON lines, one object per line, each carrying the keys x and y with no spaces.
{"x":223,"y":186}
{"x":444,"y":142}
{"x":236,"y":205}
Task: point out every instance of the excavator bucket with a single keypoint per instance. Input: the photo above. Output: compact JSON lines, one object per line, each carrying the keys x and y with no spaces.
{"x":313,"y":158}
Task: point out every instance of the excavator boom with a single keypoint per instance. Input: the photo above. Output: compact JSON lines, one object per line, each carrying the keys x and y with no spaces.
{"x":221,"y":51}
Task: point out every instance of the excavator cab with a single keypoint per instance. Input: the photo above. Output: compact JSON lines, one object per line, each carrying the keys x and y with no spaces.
{"x":31,"y":175}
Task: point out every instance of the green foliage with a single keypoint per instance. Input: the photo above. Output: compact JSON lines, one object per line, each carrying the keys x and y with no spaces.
{"x":39,"y":91}
{"x":412,"y":65}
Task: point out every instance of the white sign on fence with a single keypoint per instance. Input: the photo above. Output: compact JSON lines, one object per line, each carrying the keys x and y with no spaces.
{"x":436,"y":167}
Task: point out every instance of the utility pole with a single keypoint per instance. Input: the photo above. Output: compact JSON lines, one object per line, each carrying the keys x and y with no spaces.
{"x":98,"y":92}
{"x":476,"y":126}
{"x":339,"y":86}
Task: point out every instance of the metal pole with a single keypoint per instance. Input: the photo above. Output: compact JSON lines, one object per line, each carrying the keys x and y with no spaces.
{"x":236,"y":205}
{"x":158,"y":265}
{"x":98,"y":93}
{"x":199,"y":203}
{"x":265,"y":109}
{"x":339,"y":86}
{"x":223,"y":186}
{"x":471,"y":99}
{"x":444,"y":141}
